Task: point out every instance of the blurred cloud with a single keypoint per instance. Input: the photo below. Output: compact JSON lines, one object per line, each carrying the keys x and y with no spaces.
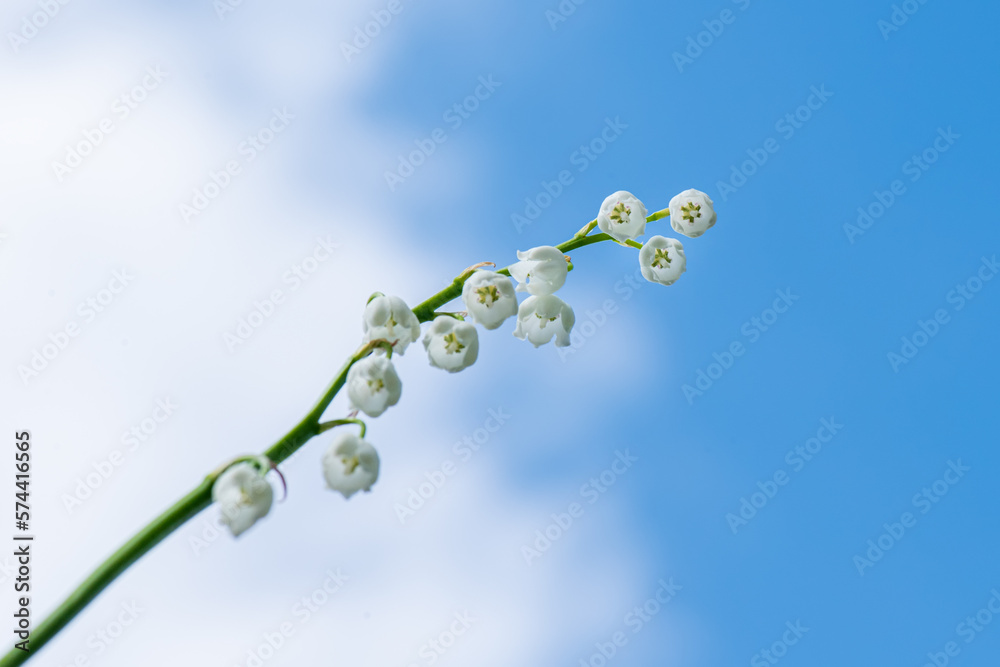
{"x":161,"y":336}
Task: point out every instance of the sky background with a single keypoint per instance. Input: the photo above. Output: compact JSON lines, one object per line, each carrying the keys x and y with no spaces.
{"x":785,"y":228}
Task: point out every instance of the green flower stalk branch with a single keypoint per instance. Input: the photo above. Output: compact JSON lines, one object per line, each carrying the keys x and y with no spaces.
{"x":351,"y":464}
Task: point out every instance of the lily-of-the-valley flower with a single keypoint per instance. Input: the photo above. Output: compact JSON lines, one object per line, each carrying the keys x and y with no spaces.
{"x":373,"y":385}
{"x":691,"y":213}
{"x":451,"y":344}
{"x":350,"y":465}
{"x":622,"y":216}
{"x":540,"y":271}
{"x":662,"y":260}
{"x":489,"y":298}
{"x":244,"y":496}
{"x":542,"y":318}
{"x":390,"y":318}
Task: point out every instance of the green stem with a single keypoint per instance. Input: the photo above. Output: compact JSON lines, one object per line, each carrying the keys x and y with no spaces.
{"x":659,"y":215}
{"x":201,"y":497}
{"x":186,"y":508}
{"x":458,"y":316}
{"x":425,"y":310}
{"x":310,"y":426}
{"x":147,"y":538}
{"x":586,"y":229}
{"x":575,"y":242}
{"x":326,"y":426}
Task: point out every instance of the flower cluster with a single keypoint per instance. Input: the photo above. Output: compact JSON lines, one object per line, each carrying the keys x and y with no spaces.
{"x":451,"y":340}
{"x":542,"y":316}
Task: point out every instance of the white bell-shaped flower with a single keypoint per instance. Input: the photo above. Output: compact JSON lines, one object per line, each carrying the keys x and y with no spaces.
{"x":541,"y":271}
{"x":489,"y":298}
{"x":390,"y":318}
{"x":540,"y":318}
{"x":373,"y":385}
{"x":691,"y":213}
{"x":662,"y":260}
{"x":451,"y":344}
{"x":622,"y":216}
{"x":244,"y":496}
{"x":350,"y":465}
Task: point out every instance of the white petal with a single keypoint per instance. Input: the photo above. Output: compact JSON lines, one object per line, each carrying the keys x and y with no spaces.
{"x":389,"y":318}
{"x":244,"y":497}
{"x":442,"y":353}
{"x":489,"y":315}
{"x":541,"y":271}
{"x":350,"y":465}
{"x":692,"y":213}
{"x":664,"y":275}
{"x":542,"y":318}
{"x":629,"y":224}
{"x":373,"y":385}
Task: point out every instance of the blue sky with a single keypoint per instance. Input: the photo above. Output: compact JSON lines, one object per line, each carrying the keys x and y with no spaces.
{"x":896,"y":122}
{"x":892,"y":94}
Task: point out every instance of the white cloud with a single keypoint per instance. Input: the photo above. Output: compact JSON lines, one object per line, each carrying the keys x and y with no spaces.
{"x":162,"y":336}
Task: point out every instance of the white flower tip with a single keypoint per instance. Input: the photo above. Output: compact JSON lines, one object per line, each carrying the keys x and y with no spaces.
{"x":451,"y":344}
{"x":373,"y":385}
{"x":692,"y":213}
{"x":243,"y":495}
{"x":622,"y":216}
{"x":350,"y":465}
{"x":389,"y":318}
{"x":540,"y":271}
{"x":662,"y":260}
{"x":542,"y":318}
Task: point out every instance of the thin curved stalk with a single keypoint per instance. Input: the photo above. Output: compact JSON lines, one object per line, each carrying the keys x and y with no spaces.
{"x":201,"y":496}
